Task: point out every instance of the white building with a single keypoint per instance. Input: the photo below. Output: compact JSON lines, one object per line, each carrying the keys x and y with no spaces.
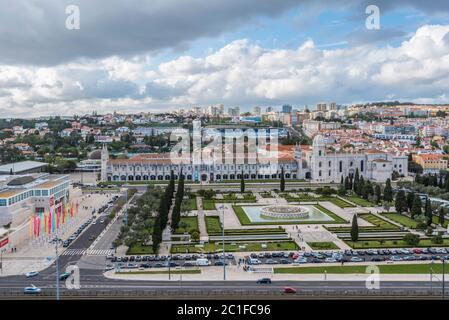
{"x":317,"y":164}
{"x":325,"y":166}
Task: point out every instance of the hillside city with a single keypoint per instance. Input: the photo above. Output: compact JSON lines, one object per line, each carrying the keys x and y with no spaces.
{"x":356,"y":184}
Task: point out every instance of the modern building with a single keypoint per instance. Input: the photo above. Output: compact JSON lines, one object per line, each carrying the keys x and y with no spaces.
{"x":286,"y":108}
{"x":256,"y":111}
{"x":25,"y":195}
{"x":234,"y":112}
{"x":23,"y":167}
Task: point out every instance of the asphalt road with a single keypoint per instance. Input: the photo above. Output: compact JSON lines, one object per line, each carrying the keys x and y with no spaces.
{"x":93,"y":283}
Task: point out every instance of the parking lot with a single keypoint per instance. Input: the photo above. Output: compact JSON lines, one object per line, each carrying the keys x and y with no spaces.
{"x":274,"y":258}
{"x":162,"y":261}
{"x":277,"y":258}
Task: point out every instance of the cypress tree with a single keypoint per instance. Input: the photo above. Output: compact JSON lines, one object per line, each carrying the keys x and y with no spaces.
{"x":282,"y":186}
{"x":400,"y":202}
{"x":242,"y":184}
{"x":441,"y":216}
{"x":388,"y":192}
{"x":347,"y":184}
{"x":428,"y":212}
{"x":378,"y":193}
{"x":410,"y":197}
{"x":356,"y":180}
{"x":416,"y":207}
{"x":354,"y":229}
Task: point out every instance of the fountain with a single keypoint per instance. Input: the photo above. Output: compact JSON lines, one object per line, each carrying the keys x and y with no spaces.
{"x":284,"y":211}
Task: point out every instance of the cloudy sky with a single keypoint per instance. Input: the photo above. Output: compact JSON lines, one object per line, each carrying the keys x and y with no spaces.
{"x":155,"y":55}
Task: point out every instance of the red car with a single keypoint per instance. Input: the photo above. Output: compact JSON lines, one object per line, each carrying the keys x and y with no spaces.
{"x":289,"y":290}
{"x":417,"y":251}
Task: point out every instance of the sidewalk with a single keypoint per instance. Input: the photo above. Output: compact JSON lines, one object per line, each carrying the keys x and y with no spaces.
{"x":39,"y":254}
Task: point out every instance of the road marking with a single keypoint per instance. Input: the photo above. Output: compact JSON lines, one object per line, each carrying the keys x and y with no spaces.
{"x":73,"y":252}
{"x":99,"y":252}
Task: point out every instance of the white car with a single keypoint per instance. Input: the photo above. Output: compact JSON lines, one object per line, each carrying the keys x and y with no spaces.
{"x":32,"y":290}
{"x":300,"y":260}
{"x":31,"y":274}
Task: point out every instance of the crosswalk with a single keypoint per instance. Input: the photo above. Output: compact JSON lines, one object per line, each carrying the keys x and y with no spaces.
{"x":99,"y":252}
{"x":73,"y":252}
{"x":88,"y":252}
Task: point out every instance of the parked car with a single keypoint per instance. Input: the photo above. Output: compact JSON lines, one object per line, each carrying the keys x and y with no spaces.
{"x":300,"y":260}
{"x":396,"y":258}
{"x":357,"y":259}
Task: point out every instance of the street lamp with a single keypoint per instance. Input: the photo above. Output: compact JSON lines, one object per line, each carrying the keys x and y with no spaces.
{"x":1,"y":260}
{"x":57,"y":266}
{"x":223,"y":239}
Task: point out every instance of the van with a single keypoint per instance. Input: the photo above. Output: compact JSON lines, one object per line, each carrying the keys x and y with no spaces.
{"x":202,"y":262}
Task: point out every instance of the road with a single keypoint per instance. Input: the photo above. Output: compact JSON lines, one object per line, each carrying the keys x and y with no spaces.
{"x":94,"y":284}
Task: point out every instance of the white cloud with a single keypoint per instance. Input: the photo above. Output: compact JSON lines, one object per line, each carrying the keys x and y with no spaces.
{"x":240,"y":73}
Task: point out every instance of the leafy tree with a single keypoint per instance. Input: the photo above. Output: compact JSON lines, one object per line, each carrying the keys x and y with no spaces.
{"x":411,"y":239}
{"x":354,"y":229}
{"x":195,"y":235}
{"x":438,"y":239}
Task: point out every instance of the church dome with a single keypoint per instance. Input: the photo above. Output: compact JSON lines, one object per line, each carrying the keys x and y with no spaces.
{"x":95,"y":155}
{"x":318,"y":141}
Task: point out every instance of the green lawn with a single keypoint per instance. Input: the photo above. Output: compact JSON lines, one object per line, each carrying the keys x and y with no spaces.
{"x":359,"y":201}
{"x":365,"y":244}
{"x":323,"y":245}
{"x":402,"y":219}
{"x":436,"y":221}
{"x":385,"y":269}
{"x":189,"y":204}
{"x":208,"y":204}
{"x":244,"y":220}
{"x":235,"y":247}
{"x":191,"y":224}
{"x":379,"y":225}
{"x":139,"y":249}
{"x":213,"y":224}
{"x":341,"y":203}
